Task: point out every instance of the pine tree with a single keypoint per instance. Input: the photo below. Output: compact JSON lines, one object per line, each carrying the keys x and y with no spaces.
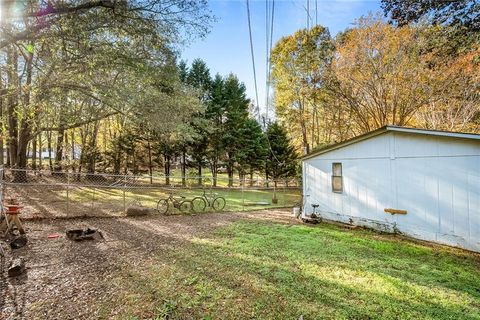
{"x":282,"y":159}
{"x":236,"y":115}
{"x":254,"y":149}
{"x":198,"y":76}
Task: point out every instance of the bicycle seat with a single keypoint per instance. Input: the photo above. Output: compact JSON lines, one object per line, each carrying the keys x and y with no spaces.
{"x":183,"y":197}
{"x":315,"y":205}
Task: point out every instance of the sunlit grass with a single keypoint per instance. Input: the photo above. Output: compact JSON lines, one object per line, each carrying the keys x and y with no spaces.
{"x":274,"y":271}
{"x":236,"y":199}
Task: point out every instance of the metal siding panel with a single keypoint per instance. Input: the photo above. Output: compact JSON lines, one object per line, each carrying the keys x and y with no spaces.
{"x":376,"y":147}
{"x":431,"y":189}
{"x":408,"y":145}
{"x":474,"y":203}
{"x":459,"y":179}
{"x":458,"y":147}
{"x":410,"y":186}
{"x":427,"y":176}
{"x":447,"y":218}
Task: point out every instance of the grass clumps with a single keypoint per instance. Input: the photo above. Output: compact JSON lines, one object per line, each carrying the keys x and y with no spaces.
{"x":264,"y":270}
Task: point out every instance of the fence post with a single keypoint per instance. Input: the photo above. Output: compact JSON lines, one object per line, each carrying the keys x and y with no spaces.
{"x":243,"y":195}
{"x":1,"y":186}
{"x":124,"y":187}
{"x":93,"y":196}
{"x":68,"y":195}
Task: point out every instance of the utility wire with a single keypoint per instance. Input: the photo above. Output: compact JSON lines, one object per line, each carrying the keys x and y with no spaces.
{"x":269,"y":36}
{"x":269,"y":52}
{"x":267,"y":20}
{"x":251,"y":50}
{"x":308,"y":14}
{"x":254,"y":72}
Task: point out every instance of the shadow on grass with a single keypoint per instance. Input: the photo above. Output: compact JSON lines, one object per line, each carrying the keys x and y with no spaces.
{"x":273,"y":271}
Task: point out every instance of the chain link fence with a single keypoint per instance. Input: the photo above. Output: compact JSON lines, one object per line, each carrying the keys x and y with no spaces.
{"x":47,"y":194}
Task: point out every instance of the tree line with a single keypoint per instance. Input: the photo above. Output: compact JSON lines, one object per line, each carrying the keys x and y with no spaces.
{"x":224,"y":132}
{"x":97,"y":87}
{"x":419,"y":67}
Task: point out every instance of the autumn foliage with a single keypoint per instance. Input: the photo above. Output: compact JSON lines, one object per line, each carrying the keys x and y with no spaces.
{"x":376,"y":74}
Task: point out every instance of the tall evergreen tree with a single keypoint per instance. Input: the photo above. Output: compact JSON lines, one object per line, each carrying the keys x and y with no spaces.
{"x":254,"y":149}
{"x":198,"y":76}
{"x":282,"y":161}
{"x":236,"y":115}
{"x":215,"y":114}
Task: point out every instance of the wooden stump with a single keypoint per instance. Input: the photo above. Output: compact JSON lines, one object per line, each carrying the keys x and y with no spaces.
{"x":135,"y":211}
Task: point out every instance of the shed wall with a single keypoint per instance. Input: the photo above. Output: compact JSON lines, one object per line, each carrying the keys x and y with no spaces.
{"x":436,"y":179}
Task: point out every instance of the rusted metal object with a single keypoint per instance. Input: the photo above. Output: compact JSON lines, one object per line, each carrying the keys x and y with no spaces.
{"x":395,"y":211}
{"x":12,"y":210}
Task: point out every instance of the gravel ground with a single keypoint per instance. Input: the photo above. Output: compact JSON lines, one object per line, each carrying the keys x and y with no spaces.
{"x":71,"y":280}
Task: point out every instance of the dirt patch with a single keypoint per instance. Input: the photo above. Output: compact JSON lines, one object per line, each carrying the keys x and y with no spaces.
{"x":71,"y":280}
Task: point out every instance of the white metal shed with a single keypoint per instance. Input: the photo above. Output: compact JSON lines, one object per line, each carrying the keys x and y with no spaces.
{"x":428,"y":182}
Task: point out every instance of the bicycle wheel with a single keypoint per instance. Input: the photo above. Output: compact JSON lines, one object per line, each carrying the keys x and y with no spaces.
{"x":185,"y":206}
{"x":198,"y":204}
{"x":219,"y":203}
{"x":162,"y":206}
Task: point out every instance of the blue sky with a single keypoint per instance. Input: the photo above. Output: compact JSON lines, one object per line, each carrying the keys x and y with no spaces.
{"x":227,"y":49}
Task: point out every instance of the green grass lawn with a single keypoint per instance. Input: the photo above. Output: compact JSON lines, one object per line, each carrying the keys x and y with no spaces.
{"x":236,"y":199}
{"x":263,"y":270}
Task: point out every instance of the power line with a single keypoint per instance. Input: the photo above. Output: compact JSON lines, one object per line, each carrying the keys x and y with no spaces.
{"x":254,"y":72}
{"x":308,"y":14}
{"x":267,"y":20}
{"x":251,"y":50}
{"x":269,"y":35}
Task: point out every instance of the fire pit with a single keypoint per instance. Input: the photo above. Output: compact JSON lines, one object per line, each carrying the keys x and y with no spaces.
{"x":81,"y":235}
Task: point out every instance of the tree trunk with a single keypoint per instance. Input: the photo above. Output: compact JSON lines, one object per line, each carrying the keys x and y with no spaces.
{"x":230,"y":173}
{"x":72,"y":139}
{"x":40,"y":149}
{"x":23,"y":140}
{"x":34,"y":153}
{"x":12,"y":65}
{"x":125,"y":167}
{"x":49,"y":147}
{"x":2,"y":93}
{"x":59,"y":149}
{"x":200,"y":180}
{"x":167,"y":168}
{"x":214,"y":169}
{"x":92,"y":154}
{"x":306,"y":147}
{"x":25,"y":133}
{"x":134,"y":162}
{"x":83,"y":153}
{"x":65,"y":137}
{"x":117,"y":162}
{"x":184,"y":169}
{"x":150,"y":165}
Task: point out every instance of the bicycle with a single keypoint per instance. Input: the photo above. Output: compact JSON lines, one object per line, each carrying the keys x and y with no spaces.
{"x":181,"y":204}
{"x":212,"y":201}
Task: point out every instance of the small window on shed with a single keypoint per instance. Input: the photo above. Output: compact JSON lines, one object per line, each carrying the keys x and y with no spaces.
{"x":337,"y":182}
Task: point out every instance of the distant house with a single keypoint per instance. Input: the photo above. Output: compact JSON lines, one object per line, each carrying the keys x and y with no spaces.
{"x":422,"y":183}
{"x":44,"y":154}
